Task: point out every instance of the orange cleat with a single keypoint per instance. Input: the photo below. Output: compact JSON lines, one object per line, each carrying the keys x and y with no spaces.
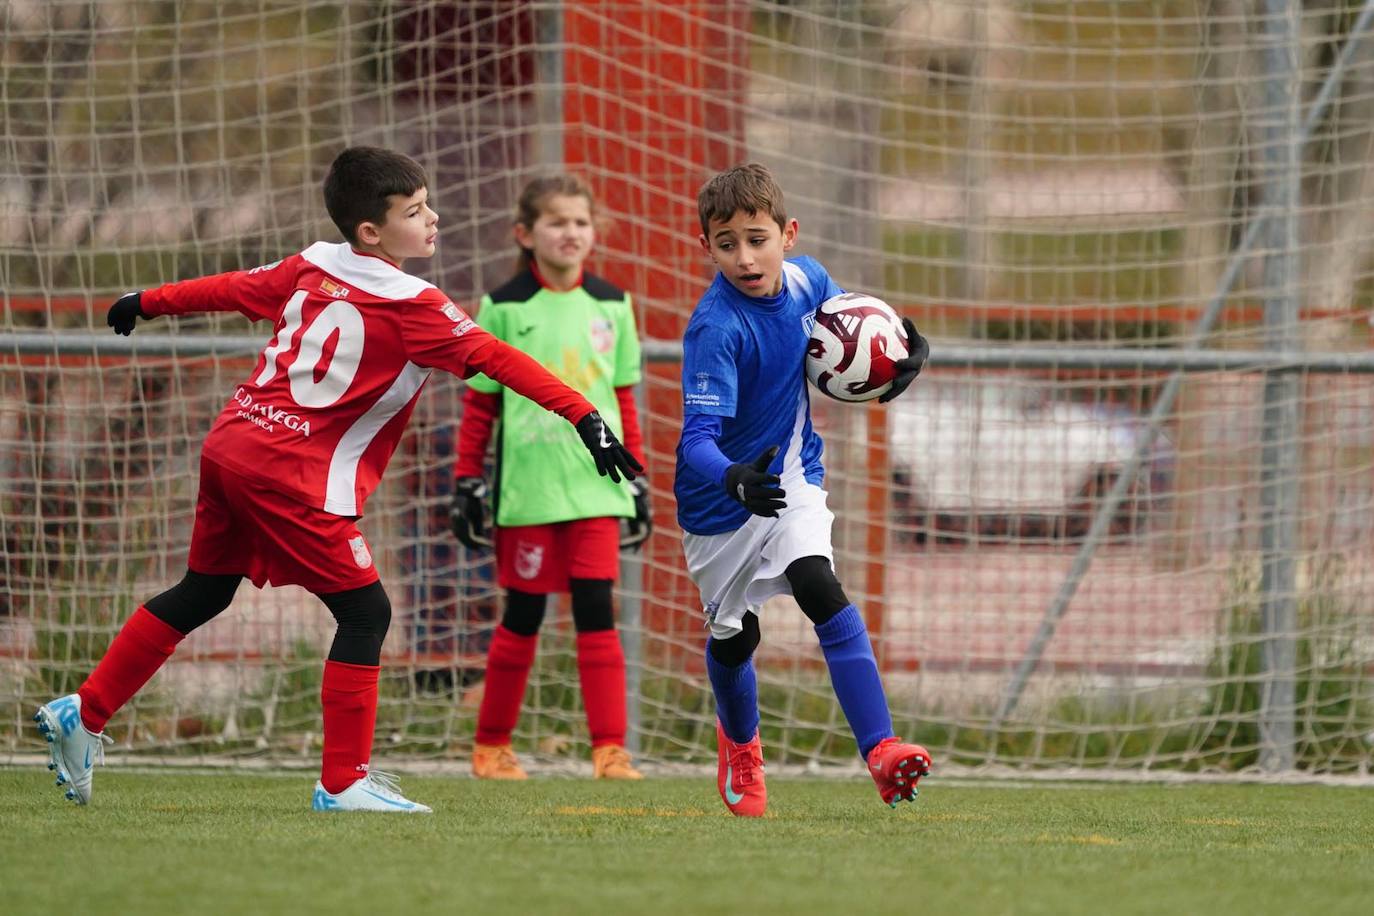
{"x":611,"y":761}
{"x":739,"y":775}
{"x":896,"y":767}
{"x":496,"y":761}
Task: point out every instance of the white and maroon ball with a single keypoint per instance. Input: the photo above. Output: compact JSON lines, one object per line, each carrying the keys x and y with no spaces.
{"x":854,"y":347}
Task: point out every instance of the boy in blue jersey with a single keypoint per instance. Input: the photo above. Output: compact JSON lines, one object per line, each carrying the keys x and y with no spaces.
{"x":749,"y":484}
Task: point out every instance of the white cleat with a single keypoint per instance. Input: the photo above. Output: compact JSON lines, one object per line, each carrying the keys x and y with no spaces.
{"x":73,"y":749}
{"x":374,"y":792}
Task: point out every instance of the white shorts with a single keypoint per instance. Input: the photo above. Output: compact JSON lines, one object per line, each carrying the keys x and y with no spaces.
{"x":739,"y":570}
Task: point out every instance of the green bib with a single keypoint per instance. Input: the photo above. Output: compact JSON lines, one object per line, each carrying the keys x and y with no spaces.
{"x":587,"y":338}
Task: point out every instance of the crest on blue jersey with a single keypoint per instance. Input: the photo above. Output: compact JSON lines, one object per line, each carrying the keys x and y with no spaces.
{"x":703,"y":381}
{"x":809,"y":323}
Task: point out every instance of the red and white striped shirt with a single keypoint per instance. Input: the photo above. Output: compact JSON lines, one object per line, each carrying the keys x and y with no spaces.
{"x":356,"y":337}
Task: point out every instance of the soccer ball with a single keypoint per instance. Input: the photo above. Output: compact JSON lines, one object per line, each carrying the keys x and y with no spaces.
{"x":854,"y":347}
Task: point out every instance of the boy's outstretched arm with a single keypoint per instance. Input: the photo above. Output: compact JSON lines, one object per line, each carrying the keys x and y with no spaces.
{"x":522,"y":374}
{"x":439,"y":335}
{"x":258,"y":293}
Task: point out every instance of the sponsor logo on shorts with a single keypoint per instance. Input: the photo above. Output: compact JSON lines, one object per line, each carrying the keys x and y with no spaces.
{"x":529,"y":559}
{"x":361,"y":555}
{"x":334,"y":289}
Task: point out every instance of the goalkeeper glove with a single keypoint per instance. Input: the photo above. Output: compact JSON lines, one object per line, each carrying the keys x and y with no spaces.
{"x":642,"y":525}
{"x":125,"y":313}
{"x":907,"y":369}
{"x":467,"y":516}
{"x":754,"y":488}
{"x":612,"y":459}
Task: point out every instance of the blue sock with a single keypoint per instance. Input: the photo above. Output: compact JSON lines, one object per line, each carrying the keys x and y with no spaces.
{"x":737,"y":697}
{"x":854,"y":675}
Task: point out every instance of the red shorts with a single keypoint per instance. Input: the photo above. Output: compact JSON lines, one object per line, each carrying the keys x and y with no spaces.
{"x":245,"y":528}
{"x":540,"y":559}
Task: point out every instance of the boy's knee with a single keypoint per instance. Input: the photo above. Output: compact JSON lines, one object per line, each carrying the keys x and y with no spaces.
{"x":193,"y":601}
{"x":360,"y":611}
{"x":817,"y":590}
{"x":739,"y":648}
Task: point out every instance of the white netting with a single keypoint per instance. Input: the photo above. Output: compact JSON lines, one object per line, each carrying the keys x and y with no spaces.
{"x":1063,"y":177}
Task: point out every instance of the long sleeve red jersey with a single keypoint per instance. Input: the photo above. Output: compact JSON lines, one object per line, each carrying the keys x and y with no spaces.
{"x":355,"y":340}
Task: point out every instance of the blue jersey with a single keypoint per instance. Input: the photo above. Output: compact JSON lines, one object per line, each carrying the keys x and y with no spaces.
{"x":744,"y":361}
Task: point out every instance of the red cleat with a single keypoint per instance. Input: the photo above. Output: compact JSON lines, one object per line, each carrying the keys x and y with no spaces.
{"x":896,"y":767}
{"x":739,"y":775}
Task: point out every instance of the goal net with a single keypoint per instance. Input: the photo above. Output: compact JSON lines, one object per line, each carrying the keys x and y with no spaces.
{"x":1124,"y":523}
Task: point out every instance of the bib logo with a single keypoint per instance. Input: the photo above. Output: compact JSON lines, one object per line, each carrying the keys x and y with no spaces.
{"x":329,"y":286}
{"x":361,"y":555}
{"x":603,"y":335}
{"x":529,"y":558}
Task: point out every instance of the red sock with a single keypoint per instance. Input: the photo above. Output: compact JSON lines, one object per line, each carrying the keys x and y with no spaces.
{"x":509,"y":661}
{"x":601,"y":668}
{"x":139,"y":649}
{"x":349,"y":697}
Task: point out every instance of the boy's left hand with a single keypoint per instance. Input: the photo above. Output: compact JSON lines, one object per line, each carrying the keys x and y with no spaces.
{"x":910,"y":367}
{"x":124,"y":314}
{"x":612,"y":459}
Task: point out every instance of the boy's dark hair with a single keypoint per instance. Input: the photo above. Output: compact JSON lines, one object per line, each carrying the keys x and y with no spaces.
{"x":743,"y":189}
{"x":361,"y":179}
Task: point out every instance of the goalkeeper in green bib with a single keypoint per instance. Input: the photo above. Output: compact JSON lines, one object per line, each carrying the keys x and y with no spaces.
{"x":557,"y":522}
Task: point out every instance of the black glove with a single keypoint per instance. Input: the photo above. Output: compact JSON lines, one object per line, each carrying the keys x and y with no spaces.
{"x":467,"y":516}
{"x":754,"y":488}
{"x":612,"y":459}
{"x":642,"y":525}
{"x":907,"y":369}
{"x":125,"y":313}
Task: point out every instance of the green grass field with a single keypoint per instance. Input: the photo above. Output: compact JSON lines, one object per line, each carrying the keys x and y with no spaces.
{"x":163,"y":842}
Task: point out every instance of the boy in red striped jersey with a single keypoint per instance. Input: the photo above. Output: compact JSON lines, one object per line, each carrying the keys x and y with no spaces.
{"x":301,"y":444}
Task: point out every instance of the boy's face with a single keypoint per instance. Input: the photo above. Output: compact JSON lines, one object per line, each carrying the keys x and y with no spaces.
{"x":409,"y":230}
{"x":563,"y":235}
{"x":748,"y":249}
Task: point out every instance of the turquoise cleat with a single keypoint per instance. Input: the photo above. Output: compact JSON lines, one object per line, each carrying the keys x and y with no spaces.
{"x":73,"y":750}
{"x":374,"y":792}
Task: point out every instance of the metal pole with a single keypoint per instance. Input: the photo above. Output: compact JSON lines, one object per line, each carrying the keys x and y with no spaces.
{"x":632,"y":625}
{"x":1280,"y":456}
{"x":1182,"y":360}
{"x":549,"y":93}
{"x":1169,"y":392}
